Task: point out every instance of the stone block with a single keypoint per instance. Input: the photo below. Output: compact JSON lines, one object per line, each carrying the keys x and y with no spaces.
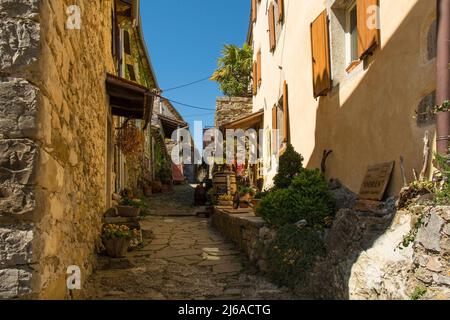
{"x":441,"y":280}
{"x":15,"y":246}
{"x":18,"y":160}
{"x":18,"y":108}
{"x":429,"y":235}
{"x":16,"y":200}
{"x":19,"y":44}
{"x":447,"y":229}
{"x":15,"y":283}
{"x":49,"y":167}
{"x":434,"y":264}
{"x":19,"y":8}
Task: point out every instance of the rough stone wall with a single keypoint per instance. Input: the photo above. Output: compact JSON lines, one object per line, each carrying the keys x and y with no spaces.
{"x":229,"y":109}
{"x":364,"y":259}
{"x":241,"y":229}
{"x":53,"y":146}
{"x":432,"y":253}
{"x":19,"y":151}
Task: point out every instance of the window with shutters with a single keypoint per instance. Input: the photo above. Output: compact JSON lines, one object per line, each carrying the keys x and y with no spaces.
{"x":352,"y":34}
{"x":255,"y":78}
{"x":368,"y":22}
{"x":131,"y":72}
{"x":258,"y":68}
{"x":320,"y":53}
{"x":254,"y":10}
{"x":280,"y":123}
{"x":276,"y":21}
{"x":126,"y":42}
{"x":272,"y":31}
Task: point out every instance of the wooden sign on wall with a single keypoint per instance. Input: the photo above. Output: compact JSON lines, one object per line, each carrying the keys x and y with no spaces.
{"x":376,"y":181}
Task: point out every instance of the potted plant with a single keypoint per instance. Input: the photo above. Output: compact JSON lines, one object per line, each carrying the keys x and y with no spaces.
{"x":116,"y":239}
{"x":226,"y":200}
{"x":128,"y":208}
{"x":156,"y":186}
{"x":165,"y":175}
{"x":148,"y":190}
{"x":257,"y":200}
{"x":245,"y":196}
{"x":212,"y":196}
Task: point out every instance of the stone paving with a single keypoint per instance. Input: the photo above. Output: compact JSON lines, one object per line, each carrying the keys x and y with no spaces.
{"x":182,"y":258}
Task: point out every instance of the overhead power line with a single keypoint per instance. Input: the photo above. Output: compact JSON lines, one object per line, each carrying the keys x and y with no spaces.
{"x":198,"y":115}
{"x":188,"y":105}
{"x":187,"y":85}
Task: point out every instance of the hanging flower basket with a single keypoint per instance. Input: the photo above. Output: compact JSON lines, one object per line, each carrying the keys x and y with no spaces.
{"x":130,"y":139}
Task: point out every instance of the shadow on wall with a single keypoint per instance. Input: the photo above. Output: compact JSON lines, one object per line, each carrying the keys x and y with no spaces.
{"x":374,"y":123}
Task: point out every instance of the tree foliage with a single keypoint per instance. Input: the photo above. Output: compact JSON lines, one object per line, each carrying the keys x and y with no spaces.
{"x":291,"y":163}
{"x":234,"y":70}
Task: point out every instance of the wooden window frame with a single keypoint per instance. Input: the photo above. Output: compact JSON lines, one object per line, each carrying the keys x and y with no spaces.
{"x":348,"y":37}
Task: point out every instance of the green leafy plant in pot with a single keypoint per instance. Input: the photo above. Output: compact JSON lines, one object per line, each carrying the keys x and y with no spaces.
{"x":246,"y":194}
{"x":128,"y":208}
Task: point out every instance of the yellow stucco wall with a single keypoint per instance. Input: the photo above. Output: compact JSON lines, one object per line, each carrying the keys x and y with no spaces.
{"x":369,"y":117}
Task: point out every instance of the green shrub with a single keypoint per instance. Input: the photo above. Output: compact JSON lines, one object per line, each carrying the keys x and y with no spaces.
{"x":290,"y":165}
{"x":292,"y":254}
{"x":418,"y":293}
{"x":443,"y":195}
{"x":307,"y":198}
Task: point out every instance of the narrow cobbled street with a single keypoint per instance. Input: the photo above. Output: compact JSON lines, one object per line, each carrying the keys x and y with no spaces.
{"x":182,"y":258}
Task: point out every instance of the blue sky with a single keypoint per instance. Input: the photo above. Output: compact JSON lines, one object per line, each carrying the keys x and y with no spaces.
{"x":184,"y":39}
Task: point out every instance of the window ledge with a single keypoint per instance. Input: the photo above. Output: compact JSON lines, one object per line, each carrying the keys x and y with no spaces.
{"x":353,"y":65}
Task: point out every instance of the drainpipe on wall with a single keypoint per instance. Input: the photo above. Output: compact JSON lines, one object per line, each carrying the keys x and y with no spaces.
{"x":443,"y":74}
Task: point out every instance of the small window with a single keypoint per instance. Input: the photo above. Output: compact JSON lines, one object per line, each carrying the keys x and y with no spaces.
{"x":131,"y":72}
{"x":126,"y":42}
{"x":352,"y":34}
{"x":280,"y":123}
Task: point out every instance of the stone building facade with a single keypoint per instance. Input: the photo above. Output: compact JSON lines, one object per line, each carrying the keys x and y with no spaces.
{"x":229,"y":109}
{"x":56,"y":137}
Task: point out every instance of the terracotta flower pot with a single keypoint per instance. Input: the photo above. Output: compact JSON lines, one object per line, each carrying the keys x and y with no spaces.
{"x":148,"y":191}
{"x":255,"y":203}
{"x":116,"y":247}
{"x":156,"y":186}
{"x":244,"y":201}
{"x":128,"y":212}
{"x":166,"y":188}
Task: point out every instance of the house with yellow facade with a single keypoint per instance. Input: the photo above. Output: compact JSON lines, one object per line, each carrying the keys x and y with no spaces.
{"x":350,"y":79}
